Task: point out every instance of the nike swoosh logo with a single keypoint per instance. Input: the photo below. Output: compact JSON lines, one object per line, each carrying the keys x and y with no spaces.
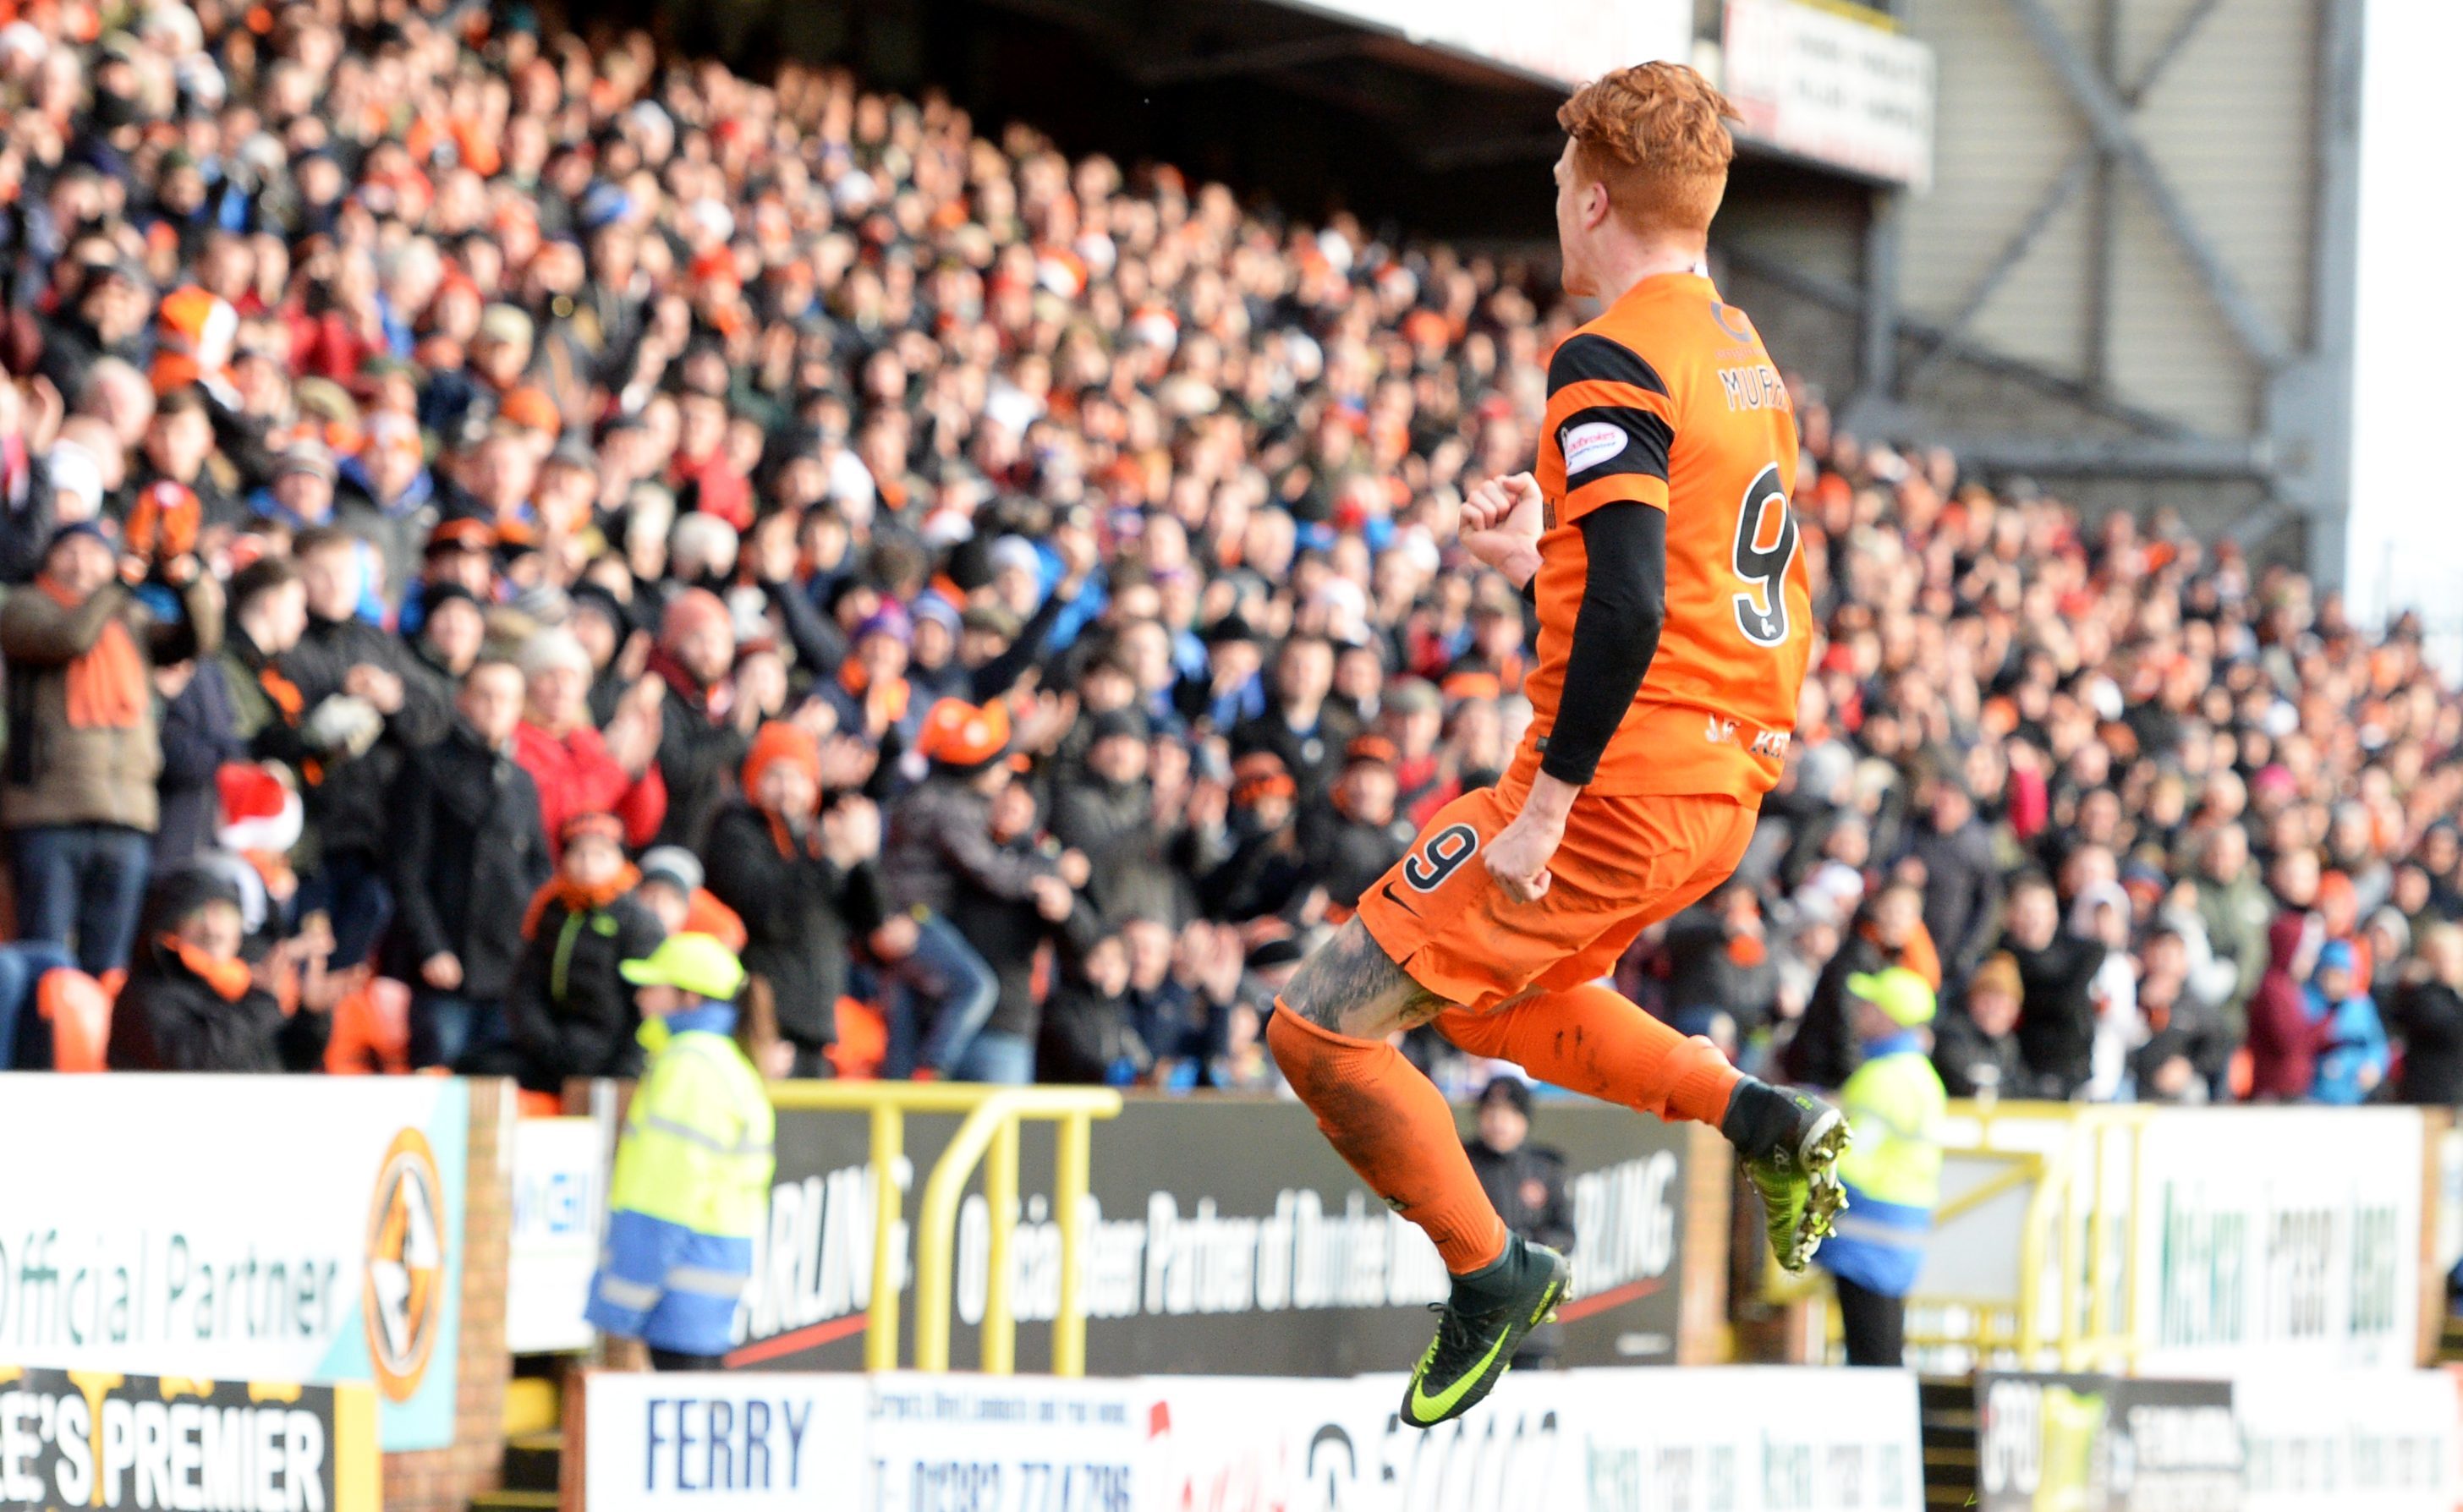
{"x":1388,"y":891}
{"x":1433,"y":1409}
{"x":1547,"y":1300}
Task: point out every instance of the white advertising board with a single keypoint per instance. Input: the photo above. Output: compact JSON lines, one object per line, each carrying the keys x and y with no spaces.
{"x":1003,"y":1443}
{"x":734,"y":1439}
{"x":1747,"y":1439}
{"x":2320,"y":1441}
{"x":1740,"y":1439}
{"x":240,"y":1227}
{"x":1824,"y":85}
{"x":559,"y":1210}
{"x":2267,"y":1237}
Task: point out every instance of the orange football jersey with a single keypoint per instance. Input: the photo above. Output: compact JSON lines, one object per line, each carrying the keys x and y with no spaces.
{"x":1670,"y":398}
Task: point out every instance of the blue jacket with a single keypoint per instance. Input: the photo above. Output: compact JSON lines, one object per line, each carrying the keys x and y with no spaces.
{"x":2355,"y":1039}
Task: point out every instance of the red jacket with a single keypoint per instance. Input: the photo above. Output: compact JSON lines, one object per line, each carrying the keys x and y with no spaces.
{"x":575,"y":775}
{"x":2283,"y":1040}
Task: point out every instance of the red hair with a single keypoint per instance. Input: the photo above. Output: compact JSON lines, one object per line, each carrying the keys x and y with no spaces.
{"x":1656,"y":135}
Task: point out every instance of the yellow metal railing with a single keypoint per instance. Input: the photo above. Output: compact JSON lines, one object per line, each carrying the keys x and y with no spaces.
{"x":2077,"y":1238}
{"x":990,"y":1128}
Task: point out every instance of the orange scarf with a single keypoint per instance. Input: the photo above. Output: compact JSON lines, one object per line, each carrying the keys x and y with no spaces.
{"x":577,"y":898}
{"x":284,"y":693}
{"x":782,"y":836}
{"x":291,"y":703}
{"x":107,"y":687}
{"x":228,"y":974}
{"x":888,"y":699}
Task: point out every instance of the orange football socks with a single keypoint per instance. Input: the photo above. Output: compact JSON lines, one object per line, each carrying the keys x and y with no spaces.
{"x":1394,"y":1126}
{"x":1588,"y":1039}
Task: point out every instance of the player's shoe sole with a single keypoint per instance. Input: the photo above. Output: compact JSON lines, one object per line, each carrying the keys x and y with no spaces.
{"x":1477,"y":1335}
{"x":1797,"y":1181}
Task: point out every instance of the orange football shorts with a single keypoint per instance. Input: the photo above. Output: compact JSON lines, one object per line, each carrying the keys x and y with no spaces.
{"x":1625,"y":863}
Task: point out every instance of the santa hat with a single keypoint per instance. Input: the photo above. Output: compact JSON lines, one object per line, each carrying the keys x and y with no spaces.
{"x":259,"y":810}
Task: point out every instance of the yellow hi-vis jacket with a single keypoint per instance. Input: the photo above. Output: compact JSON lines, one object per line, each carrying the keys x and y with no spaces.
{"x":691,"y":1192}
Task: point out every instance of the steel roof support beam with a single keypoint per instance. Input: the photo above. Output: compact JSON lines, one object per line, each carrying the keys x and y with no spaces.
{"x":1849,"y":299}
{"x":2077,"y":173}
{"x":2126,"y":456}
{"x":2310,"y":402}
{"x":1878,"y":381}
{"x":2109,"y":120}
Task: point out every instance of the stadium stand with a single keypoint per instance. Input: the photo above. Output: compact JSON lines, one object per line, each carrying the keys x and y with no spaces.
{"x":820,"y":462}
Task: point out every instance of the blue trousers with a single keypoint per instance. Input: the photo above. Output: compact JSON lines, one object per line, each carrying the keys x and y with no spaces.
{"x":998,"y":1057}
{"x":446,"y":1025}
{"x":21,"y":966}
{"x":941,"y":982}
{"x":82,"y":885}
{"x":351,"y":890}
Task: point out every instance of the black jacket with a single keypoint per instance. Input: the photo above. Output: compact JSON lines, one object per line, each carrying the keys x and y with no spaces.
{"x":1009,"y":932}
{"x":28,"y":518}
{"x":1527,"y":1187}
{"x":1083,"y":1034}
{"x":347,"y":809}
{"x":570,"y":1013}
{"x":168,"y":1020}
{"x":938,"y":848}
{"x":802,"y":915}
{"x":468,"y":853}
{"x":1824,"y":1052}
{"x":1265,"y":874}
{"x":1313,"y":759}
{"x":1962,"y":894}
{"x":1703,"y":971}
{"x":199,"y":733}
{"x":699,"y":759}
{"x":1968,"y":1059}
{"x":1346,"y":856}
{"x":2187,"y":1029}
{"x":2055,"y":1015}
{"x":1114,"y":823}
{"x":2429,"y":1016}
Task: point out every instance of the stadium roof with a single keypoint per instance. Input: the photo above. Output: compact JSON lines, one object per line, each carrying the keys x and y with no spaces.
{"x":1438,"y":115}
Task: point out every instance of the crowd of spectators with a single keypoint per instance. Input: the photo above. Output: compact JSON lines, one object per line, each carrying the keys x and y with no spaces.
{"x":475,"y":501}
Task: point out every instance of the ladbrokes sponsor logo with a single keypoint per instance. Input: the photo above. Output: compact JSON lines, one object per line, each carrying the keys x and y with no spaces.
{"x":404,"y":1279}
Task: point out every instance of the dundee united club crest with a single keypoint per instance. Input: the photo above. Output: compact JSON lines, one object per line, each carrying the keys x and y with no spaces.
{"x":405,"y":1277}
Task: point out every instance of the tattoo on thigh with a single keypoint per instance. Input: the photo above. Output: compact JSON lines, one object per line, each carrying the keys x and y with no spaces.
{"x":1352,"y":975}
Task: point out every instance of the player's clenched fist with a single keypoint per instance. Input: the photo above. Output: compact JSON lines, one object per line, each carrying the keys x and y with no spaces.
{"x":1500,"y":525}
{"x":1518,"y":856}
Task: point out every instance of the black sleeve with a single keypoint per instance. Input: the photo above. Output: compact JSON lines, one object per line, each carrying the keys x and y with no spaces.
{"x":862,"y":899}
{"x":818,"y":645}
{"x":999,"y":675}
{"x":1625,"y":603}
{"x":412,"y":805}
{"x":426,"y":713}
{"x":302,"y":1039}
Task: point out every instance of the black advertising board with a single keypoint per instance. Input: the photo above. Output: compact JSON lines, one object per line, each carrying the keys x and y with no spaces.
{"x":1229,"y":1240}
{"x":2105,"y":1443}
{"x":101,"y":1438}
